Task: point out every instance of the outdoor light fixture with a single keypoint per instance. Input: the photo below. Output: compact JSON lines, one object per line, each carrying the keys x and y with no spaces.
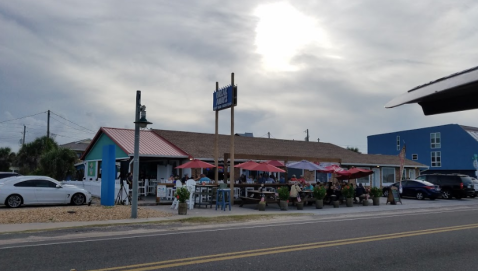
{"x":140,"y":121}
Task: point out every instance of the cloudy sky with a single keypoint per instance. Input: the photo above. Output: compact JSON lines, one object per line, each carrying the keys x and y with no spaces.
{"x":326,"y":66}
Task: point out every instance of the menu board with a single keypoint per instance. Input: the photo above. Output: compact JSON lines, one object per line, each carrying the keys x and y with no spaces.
{"x":393,"y":196}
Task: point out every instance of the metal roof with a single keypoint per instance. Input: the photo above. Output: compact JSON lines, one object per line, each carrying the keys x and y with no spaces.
{"x":150,"y":144}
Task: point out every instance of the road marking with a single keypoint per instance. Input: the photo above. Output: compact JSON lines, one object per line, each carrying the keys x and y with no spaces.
{"x":273,"y":224}
{"x":282,"y":249}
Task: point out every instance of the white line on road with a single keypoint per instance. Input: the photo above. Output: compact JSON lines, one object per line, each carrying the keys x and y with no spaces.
{"x":273,"y":224}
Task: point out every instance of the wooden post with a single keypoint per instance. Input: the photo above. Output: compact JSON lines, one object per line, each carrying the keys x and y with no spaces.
{"x":231,"y":167}
{"x":216,"y":144}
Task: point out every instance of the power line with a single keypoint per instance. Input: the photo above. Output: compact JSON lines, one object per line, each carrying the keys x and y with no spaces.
{"x":81,"y":130}
{"x":23,"y":117}
{"x":72,"y":122}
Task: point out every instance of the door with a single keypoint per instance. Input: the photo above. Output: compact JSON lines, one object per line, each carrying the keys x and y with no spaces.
{"x":27,"y":190}
{"x":46,"y":192}
{"x":376,"y":177}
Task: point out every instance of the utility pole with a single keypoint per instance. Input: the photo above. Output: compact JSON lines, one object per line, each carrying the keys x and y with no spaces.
{"x":307,"y":137}
{"x":268,"y":134}
{"x":48,"y":125}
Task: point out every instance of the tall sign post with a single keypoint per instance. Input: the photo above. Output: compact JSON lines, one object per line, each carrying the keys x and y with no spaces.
{"x":216,"y":144}
{"x":222,"y":99}
{"x":231,"y":164}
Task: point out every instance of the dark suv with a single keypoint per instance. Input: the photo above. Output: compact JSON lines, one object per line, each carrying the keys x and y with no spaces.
{"x":452,"y":185}
{"x":8,"y":174}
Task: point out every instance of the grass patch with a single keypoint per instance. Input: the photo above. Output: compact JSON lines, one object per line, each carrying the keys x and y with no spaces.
{"x":233,"y":218}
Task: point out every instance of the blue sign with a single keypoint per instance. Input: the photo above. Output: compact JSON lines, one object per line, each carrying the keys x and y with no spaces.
{"x":223,"y":98}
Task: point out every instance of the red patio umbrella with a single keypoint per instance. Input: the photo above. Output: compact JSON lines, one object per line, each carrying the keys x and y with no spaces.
{"x":266,"y":167}
{"x":247,"y":165}
{"x":332,"y":169}
{"x":353,"y":173}
{"x":275,"y":163}
{"x":196,"y":164}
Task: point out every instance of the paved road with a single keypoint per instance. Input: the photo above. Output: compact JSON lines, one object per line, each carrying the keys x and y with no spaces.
{"x":402,"y":240}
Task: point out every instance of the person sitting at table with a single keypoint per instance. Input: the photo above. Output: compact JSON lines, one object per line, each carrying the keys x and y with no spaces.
{"x":282,"y":179}
{"x":359,"y":191}
{"x":203,"y":179}
{"x":293,"y":179}
{"x":250,"y":179}
{"x":271,"y":179}
{"x":261,"y":179}
{"x":308,"y":186}
{"x":171,"y":178}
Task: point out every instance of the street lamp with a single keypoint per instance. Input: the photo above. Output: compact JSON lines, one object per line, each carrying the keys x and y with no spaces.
{"x":140,"y":121}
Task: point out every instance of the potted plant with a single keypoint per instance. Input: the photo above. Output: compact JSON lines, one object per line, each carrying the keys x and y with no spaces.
{"x":376,"y":193}
{"x":319,"y":195}
{"x":366,"y":196}
{"x":182,"y":194}
{"x":300,"y":204}
{"x":348,"y":192}
{"x":261,"y":206}
{"x":283,"y":197}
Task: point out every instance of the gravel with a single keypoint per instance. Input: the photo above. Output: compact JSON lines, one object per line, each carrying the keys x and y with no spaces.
{"x":73,"y":213}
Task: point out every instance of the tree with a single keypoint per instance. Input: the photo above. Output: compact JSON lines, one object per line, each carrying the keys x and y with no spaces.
{"x":58,"y":163}
{"x":7,"y":157}
{"x":28,"y":156}
{"x":353,"y":149}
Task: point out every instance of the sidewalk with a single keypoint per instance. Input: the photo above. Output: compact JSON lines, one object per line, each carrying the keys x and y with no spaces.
{"x":408,"y":204}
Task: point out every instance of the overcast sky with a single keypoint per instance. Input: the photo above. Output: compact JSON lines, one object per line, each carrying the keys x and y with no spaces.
{"x":326,"y":66}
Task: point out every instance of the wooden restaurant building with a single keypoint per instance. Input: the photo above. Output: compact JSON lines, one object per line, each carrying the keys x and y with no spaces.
{"x":161,"y":151}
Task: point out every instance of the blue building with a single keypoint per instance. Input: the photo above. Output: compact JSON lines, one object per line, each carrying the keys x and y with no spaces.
{"x":445,"y":149}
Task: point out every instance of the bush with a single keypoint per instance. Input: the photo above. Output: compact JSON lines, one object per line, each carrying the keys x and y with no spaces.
{"x":283,"y":193}
{"x":319,"y":192}
{"x":348,"y":191}
{"x":375,"y":192}
{"x":182,"y":194}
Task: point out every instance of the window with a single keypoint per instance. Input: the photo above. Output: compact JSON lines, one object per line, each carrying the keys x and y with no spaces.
{"x":388,"y":175}
{"x":436,"y":159}
{"x":411,"y":173}
{"x":364,"y":180}
{"x":398,"y":143}
{"x":435,"y":140}
{"x":414,"y":156}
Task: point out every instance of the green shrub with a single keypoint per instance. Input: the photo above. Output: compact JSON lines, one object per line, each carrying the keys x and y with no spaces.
{"x":375,"y":192}
{"x":283,"y":193}
{"x":348,"y":191}
{"x":319,"y":192}
{"x":182,"y":194}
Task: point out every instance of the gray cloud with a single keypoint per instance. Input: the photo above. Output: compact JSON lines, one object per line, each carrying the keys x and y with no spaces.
{"x":84,"y":60}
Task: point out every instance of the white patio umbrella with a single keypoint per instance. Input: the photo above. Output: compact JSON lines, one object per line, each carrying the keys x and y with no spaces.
{"x":304,"y":164}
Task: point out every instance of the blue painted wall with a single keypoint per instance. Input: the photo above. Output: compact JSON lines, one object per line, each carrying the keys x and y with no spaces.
{"x":96,"y":152}
{"x":457,"y":147}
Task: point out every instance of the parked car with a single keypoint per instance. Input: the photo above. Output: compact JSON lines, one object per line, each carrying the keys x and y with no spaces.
{"x":8,"y":174}
{"x":452,"y":185}
{"x":40,"y":190}
{"x":475,"y":186}
{"x":417,"y":189}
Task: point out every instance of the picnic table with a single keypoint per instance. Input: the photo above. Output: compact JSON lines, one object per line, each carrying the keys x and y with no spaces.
{"x":255,"y":196}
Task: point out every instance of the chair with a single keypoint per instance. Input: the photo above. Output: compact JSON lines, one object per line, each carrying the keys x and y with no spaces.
{"x":176,"y":201}
{"x":190,"y":201}
{"x":152,"y":186}
{"x":141,"y":188}
{"x":223,"y":198}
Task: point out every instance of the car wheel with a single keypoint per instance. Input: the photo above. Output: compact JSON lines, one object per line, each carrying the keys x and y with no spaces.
{"x":14,"y":201}
{"x":419,"y":195}
{"x":385,"y":193}
{"x":473,"y":196}
{"x":457,"y":197}
{"x":78,"y":199}
{"x":445,"y":194}
{"x":432,"y":198}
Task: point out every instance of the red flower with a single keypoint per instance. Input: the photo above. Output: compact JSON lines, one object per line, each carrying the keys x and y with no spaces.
{"x":177,"y":196}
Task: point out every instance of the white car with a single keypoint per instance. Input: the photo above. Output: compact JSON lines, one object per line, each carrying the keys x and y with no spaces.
{"x":40,"y":190}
